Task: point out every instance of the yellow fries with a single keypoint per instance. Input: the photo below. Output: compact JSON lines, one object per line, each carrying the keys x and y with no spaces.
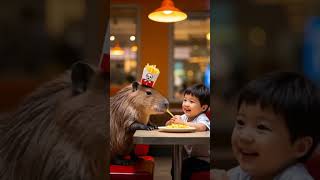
{"x":152,"y":69}
{"x":177,"y":126}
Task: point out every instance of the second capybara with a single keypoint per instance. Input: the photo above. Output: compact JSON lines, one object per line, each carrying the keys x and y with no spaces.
{"x":130,"y":110}
{"x":59,"y":131}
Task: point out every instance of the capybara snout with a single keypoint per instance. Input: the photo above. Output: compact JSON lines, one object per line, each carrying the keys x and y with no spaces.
{"x":163,"y":105}
{"x":166,"y":104}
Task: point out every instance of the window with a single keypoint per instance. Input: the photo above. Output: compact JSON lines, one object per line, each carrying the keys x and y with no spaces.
{"x":123,"y":44}
{"x":190,"y":53}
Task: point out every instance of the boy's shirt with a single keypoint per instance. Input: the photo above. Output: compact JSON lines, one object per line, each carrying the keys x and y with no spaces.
{"x":201,"y":118}
{"x":200,"y":151}
{"x":294,"y":172}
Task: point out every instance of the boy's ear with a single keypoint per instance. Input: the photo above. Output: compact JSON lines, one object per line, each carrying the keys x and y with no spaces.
{"x":302,"y":146}
{"x":204,"y":107}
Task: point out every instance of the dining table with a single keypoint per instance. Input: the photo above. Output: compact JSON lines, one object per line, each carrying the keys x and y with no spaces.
{"x":176,"y":139}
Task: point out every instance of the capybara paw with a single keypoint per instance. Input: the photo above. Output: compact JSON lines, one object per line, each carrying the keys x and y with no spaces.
{"x":150,"y":128}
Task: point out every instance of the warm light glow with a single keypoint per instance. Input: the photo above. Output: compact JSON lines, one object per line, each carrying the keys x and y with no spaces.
{"x":190,"y":73}
{"x":167,"y":13}
{"x":208,"y":36}
{"x":117,"y":50}
{"x":132,"y":38}
{"x":134,"y":48}
{"x":112,"y":38}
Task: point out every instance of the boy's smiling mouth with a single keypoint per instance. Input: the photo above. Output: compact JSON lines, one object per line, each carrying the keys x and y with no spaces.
{"x":246,"y":154}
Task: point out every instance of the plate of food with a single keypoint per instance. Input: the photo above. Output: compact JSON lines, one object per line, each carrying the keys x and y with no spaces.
{"x":176,"y":128}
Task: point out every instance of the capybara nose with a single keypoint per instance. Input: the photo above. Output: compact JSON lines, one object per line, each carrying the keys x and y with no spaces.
{"x":166,"y":104}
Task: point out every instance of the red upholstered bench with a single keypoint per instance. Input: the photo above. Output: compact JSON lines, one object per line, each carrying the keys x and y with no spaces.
{"x":142,"y":170}
{"x":203,"y":175}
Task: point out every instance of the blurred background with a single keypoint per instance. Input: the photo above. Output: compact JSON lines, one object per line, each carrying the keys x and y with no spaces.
{"x":40,"y":39}
{"x":250,"y":38}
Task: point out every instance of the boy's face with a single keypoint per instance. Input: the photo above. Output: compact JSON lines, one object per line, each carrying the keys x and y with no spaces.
{"x":261,"y":141}
{"x":191,"y":106}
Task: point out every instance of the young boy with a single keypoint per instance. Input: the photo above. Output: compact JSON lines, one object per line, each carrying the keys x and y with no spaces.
{"x":276,"y":128}
{"x":195,"y":104}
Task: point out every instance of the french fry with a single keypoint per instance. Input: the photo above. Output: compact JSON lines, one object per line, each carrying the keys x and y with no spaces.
{"x":169,"y":113}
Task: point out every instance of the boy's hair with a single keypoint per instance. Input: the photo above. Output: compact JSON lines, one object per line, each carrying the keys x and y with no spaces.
{"x":291,"y":96}
{"x":201,"y":92}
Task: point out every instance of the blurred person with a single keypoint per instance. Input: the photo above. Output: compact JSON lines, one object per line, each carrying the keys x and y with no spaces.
{"x":275,"y":129}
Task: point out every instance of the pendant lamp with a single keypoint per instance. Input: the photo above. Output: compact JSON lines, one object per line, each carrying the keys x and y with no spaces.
{"x":117,"y":50}
{"x":167,"y":13}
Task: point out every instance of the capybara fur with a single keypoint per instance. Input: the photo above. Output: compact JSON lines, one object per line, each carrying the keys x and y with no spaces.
{"x":130,"y":110}
{"x":59,"y":131}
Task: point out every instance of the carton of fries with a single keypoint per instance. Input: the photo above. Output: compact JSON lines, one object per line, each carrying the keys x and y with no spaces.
{"x":150,"y":75}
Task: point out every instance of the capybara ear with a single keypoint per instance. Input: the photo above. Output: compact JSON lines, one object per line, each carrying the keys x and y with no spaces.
{"x":80,"y":76}
{"x":135,"y":86}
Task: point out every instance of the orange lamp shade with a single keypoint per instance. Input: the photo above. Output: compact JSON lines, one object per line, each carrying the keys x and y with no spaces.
{"x":167,"y":13}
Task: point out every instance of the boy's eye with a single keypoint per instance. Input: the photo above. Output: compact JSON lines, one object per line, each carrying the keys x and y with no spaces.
{"x":263,"y":127}
{"x":240,"y":122}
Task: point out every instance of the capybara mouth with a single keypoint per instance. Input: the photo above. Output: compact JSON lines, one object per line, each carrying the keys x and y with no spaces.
{"x":159,"y":110}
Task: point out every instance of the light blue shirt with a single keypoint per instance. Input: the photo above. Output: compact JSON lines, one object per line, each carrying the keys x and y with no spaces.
{"x":201,"y":118}
{"x":293,"y":172}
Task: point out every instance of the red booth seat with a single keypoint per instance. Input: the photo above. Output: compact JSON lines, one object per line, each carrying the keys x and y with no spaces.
{"x":203,"y":175}
{"x":142,"y":170}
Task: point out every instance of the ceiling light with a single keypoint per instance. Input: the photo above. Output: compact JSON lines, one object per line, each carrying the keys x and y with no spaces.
{"x":167,"y":13}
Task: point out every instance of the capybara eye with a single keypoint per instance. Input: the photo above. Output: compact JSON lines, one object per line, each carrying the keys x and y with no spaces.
{"x":148,"y":92}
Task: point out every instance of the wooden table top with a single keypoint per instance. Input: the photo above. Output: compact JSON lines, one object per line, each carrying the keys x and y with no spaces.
{"x":165,"y":138}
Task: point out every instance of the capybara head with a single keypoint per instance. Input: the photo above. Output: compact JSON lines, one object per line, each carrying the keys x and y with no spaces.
{"x":138,"y":101}
{"x":59,"y":131}
{"x":133,"y":103}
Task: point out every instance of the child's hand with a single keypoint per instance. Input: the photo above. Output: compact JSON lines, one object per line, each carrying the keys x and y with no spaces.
{"x":169,"y":122}
{"x":174,"y":120}
{"x":177,"y":120}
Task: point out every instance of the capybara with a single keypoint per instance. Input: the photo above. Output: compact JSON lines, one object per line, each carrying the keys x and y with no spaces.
{"x":130,"y":110}
{"x":59,"y":132}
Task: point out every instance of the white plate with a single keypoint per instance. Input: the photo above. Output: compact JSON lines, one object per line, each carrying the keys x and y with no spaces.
{"x":165,"y":129}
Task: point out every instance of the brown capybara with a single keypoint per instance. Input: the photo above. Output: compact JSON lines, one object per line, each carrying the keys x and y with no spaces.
{"x":130,"y":110}
{"x":59,"y":131}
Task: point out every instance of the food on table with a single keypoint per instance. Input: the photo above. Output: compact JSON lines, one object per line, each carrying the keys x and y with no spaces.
{"x":177,"y":126}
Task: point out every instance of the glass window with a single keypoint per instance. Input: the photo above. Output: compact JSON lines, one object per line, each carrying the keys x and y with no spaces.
{"x":191,"y":53}
{"x":123,"y":44}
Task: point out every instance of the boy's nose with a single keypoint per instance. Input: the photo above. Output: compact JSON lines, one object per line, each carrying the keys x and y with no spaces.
{"x":186,"y":104}
{"x":246,"y":136}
